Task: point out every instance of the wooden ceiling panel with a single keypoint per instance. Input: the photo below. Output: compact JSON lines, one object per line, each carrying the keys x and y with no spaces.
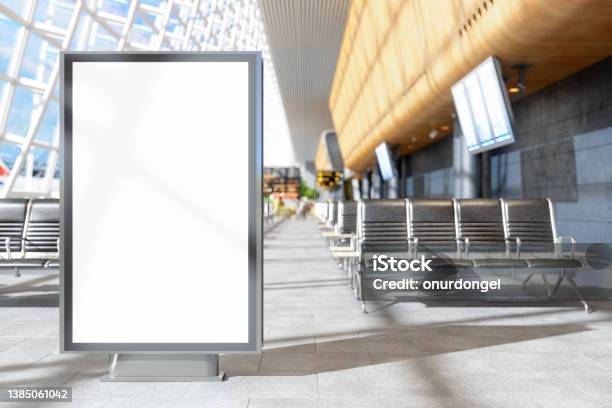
{"x":432,"y":47}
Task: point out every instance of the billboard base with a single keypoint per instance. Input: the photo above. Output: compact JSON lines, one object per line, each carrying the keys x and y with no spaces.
{"x":164,"y":367}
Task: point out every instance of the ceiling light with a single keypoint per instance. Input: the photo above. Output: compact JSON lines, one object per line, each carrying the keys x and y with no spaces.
{"x":521,"y":84}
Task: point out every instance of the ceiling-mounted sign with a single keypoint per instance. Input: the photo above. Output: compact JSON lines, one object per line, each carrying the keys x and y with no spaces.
{"x":385,"y":161}
{"x":483,"y":108}
{"x":157,"y":253}
{"x":329,"y":179}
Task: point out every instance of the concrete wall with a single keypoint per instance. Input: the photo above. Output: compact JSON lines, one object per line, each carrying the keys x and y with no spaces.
{"x":430,"y":171}
{"x":563,"y":150}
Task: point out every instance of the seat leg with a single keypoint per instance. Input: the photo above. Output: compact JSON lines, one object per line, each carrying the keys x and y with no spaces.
{"x":545,"y":280}
{"x":587,"y":307}
{"x":524,"y":284}
{"x":360,"y":293}
{"x":558,"y":283}
{"x":17,"y":273}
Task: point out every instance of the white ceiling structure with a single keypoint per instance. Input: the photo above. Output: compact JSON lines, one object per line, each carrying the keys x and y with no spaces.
{"x":304,"y":37}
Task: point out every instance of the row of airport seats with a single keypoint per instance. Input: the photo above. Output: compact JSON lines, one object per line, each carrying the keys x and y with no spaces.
{"x":514,"y":235}
{"x":339,"y":216}
{"x":29,"y":234}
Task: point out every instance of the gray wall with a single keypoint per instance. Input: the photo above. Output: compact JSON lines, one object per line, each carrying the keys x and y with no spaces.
{"x":430,"y":171}
{"x":563,"y":150}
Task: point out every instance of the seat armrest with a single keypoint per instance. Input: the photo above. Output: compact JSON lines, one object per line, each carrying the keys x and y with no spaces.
{"x":463,"y":244}
{"x":559,"y":248}
{"x":413,"y":245}
{"x":359,"y":245}
{"x":517,"y":241}
{"x":7,"y":245}
{"x":8,"y":240}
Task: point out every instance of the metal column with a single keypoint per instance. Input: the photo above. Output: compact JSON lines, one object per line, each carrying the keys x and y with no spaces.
{"x":466,"y":168}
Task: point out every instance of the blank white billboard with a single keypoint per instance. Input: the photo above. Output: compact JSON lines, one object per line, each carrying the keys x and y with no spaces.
{"x":161,"y":159}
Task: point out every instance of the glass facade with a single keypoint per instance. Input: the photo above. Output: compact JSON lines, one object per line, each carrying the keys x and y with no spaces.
{"x":32,"y":32}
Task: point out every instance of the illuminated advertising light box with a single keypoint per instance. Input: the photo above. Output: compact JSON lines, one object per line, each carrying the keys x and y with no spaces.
{"x":383,"y":156}
{"x":158,"y":254}
{"x":483,"y":108}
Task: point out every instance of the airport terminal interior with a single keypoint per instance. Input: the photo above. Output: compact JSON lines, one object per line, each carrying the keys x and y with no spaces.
{"x":472,"y":136}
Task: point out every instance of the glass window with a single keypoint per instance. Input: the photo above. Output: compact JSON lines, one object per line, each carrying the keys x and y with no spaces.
{"x":220,"y":25}
{"x":8,"y":38}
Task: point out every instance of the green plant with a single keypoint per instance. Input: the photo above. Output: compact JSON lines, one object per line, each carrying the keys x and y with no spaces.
{"x":308,"y":192}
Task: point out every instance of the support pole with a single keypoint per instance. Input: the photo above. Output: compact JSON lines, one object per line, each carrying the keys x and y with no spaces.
{"x":466,"y":167}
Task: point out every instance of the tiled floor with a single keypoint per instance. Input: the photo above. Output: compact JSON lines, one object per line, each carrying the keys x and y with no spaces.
{"x":322,"y":351}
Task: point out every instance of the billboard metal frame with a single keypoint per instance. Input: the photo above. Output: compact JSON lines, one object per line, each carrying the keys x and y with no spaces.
{"x":255,"y":238}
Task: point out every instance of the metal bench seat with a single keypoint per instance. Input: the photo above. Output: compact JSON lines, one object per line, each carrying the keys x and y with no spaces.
{"x":29,"y":234}
{"x":22,"y":263}
{"x":553,"y":263}
{"x":52,"y":263}
{"x":504,"y":263}
{"x":437,"y":260}
{"x":512,"y":235}
{"x":431,"y":232}
{"x":530,"y":226}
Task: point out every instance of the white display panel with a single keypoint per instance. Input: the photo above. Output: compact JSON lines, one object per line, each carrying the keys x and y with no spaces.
{"x":483,"y":109}
{"x":160,"y":183}
{"x":383,"y":156}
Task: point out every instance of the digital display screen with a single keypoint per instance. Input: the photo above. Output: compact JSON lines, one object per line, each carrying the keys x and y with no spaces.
{"x":483,"y":109}
{"x":383,"y":155}
{"x":329,"y":179}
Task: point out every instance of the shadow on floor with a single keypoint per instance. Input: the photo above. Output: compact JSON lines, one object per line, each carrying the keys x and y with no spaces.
{"x":405,"y":344}
{"x":307,"y":282}
{"x":411,"y":342}
{"x":63,"y":370}
{"x":271,"y":227}
{"x":401,"y":343}
{"x":311,"y":259}
{"x":291,"y":246}
{"x":36,"y":300}
{"x":30,"y":292}
{"x":316,"y":285}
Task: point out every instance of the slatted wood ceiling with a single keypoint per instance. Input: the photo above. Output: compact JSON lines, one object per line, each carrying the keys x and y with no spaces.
{"x":398,"y":60}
